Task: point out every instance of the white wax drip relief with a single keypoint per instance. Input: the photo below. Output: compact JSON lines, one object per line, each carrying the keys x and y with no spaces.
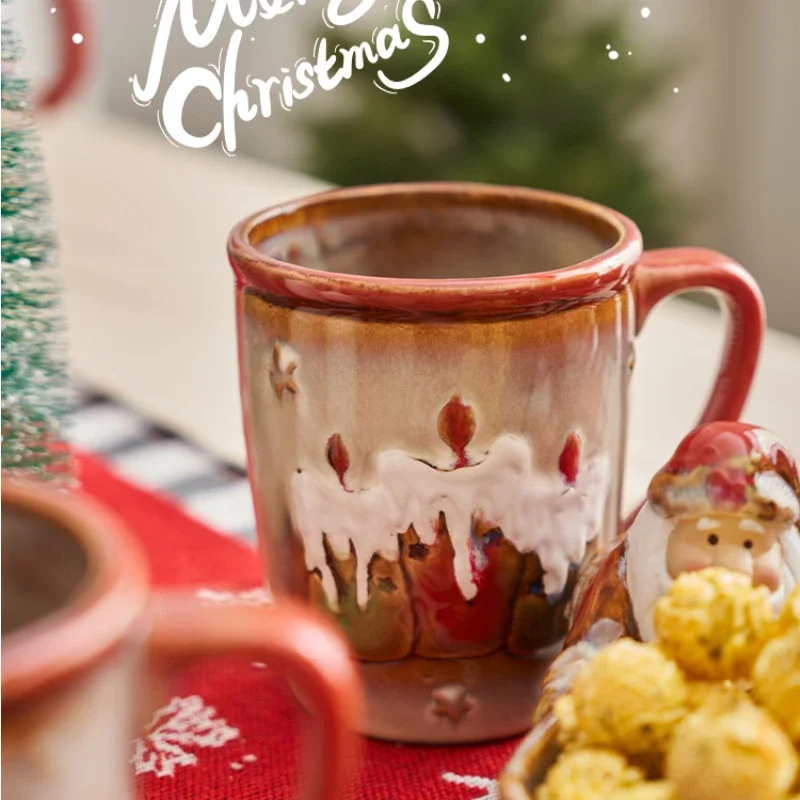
{"x":537,"y":511}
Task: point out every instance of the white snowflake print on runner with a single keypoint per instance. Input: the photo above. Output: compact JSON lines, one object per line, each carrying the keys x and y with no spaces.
{"x":487,"y":785}
{"x":258,"y":596}
{"x":184,"y":725}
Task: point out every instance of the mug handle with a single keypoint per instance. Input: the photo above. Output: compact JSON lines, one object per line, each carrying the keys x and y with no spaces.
{"x":661,"y":273}
{"x":72,"y":17}
{"x":295,"y":640}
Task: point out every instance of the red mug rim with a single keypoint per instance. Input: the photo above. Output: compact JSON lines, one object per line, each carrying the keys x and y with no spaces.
{"x":108,"y":601}
{"x":596,"y":278}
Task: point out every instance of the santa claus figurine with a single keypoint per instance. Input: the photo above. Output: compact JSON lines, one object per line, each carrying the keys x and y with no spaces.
{"x":728,"y":497}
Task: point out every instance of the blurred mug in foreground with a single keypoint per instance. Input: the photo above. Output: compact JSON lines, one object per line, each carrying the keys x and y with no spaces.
{"x":434,"y":385}
{"x":80,"y":639}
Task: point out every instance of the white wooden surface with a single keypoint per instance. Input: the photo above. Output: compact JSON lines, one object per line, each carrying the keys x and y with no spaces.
{"x":150,"y":296}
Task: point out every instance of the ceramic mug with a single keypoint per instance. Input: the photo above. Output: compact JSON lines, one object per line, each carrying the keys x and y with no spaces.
{"x":72,"y":17}
{"x":80,"y":634}
{"x":434,"y":382}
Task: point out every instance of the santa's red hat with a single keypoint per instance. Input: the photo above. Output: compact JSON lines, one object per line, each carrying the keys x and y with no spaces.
{"x":729,"y":467}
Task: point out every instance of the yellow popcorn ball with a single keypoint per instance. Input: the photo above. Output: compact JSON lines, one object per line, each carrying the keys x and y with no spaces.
{"x":699,"y":692}
{"x":702,"y":693}
{"x":733,"y":753}
{"x":564,"y":712}
{"x":652,"y":790}
{"x":776,"y":681}
{"x":790,"y":613}
{"x":587,"y":775}
{"x":714,"y":623}
{"x":630,"y":697}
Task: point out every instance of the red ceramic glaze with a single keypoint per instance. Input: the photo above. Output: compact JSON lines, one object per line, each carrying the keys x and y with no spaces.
{"x":662,"y":273}
{"x":450,"y":624}
{"x":594,"y":279}
{"x":456,"y":424}
{"x":338,"y":457}
{"x":719,"y":442}
{"x":58,"y":740}
{"x":570,"y":457}
{"x":724,"y":458}
{"x":451,"y":447}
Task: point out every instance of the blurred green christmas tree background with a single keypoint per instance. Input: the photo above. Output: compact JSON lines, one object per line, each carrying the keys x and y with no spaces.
{"x":565,"y":120}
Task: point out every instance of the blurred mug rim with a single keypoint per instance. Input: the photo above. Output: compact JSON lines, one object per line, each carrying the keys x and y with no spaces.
{"x":109,"y":600}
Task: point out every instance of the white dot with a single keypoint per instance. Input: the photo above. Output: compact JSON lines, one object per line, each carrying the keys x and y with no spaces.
{"x":613,"y":55}
{"x":676,"y":90}
{"x":524,"y":38}
{"x":249,"y":758}
{"x":480,"y":38}
{"x":53,"y":10}
{"x":252,"y":38}
{"x":608,"y":47}
{"x":236,"y":765}
{"x":506,"y":77}
{"x":259,"y":665}
{"x":630,"y":53}
{"x":130,"y":80}
{"x":645,"y":12}
{"x":77,"y":38}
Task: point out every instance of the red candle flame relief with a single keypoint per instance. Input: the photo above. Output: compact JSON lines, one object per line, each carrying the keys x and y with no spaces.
{"x":569,"y":460}
{"x":456,"y":425}
{"x":338,"y":457}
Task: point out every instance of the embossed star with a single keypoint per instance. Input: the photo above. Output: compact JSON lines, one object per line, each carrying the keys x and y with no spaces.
{"x":452,"y":700}
{"x":282,"y":375}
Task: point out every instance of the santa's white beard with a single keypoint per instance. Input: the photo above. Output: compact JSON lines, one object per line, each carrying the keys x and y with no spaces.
{"x":646,"y":567}
{"x":791,"y":562}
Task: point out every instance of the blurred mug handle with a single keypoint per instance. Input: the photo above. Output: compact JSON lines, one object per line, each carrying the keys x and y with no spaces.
{"x":301,"y":645}
{"x":70,"y":17}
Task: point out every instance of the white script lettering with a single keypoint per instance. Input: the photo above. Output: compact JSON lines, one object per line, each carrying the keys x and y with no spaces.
{"x":324,"y":70}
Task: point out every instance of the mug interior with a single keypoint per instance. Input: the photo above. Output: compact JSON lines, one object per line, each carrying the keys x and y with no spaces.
{"x":43,"y":567}
{"x":438,"y":235}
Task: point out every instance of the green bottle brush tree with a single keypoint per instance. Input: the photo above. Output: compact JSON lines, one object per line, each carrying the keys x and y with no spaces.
{"x":36,"y":397}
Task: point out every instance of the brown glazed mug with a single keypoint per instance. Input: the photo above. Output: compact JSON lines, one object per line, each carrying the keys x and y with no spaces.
{"x":81,"y":639}
{"x":434,"y":383}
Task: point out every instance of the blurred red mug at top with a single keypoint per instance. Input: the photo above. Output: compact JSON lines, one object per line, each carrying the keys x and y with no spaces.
{"x":74,"y":34}
{"x":434,"y":382}
{"x":83,"y":641}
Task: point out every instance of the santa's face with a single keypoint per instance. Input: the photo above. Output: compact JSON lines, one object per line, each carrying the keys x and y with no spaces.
{"x":725,"y":540}
{"x":658,"y":550}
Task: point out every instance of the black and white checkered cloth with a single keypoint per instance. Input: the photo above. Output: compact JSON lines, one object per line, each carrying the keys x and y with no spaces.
{"x":207,"y":489}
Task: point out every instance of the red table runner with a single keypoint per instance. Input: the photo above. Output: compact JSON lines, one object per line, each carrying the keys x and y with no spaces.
{"x":232,"y":730}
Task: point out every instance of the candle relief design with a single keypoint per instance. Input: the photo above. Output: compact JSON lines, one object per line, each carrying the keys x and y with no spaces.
{"x":553,"y":511}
